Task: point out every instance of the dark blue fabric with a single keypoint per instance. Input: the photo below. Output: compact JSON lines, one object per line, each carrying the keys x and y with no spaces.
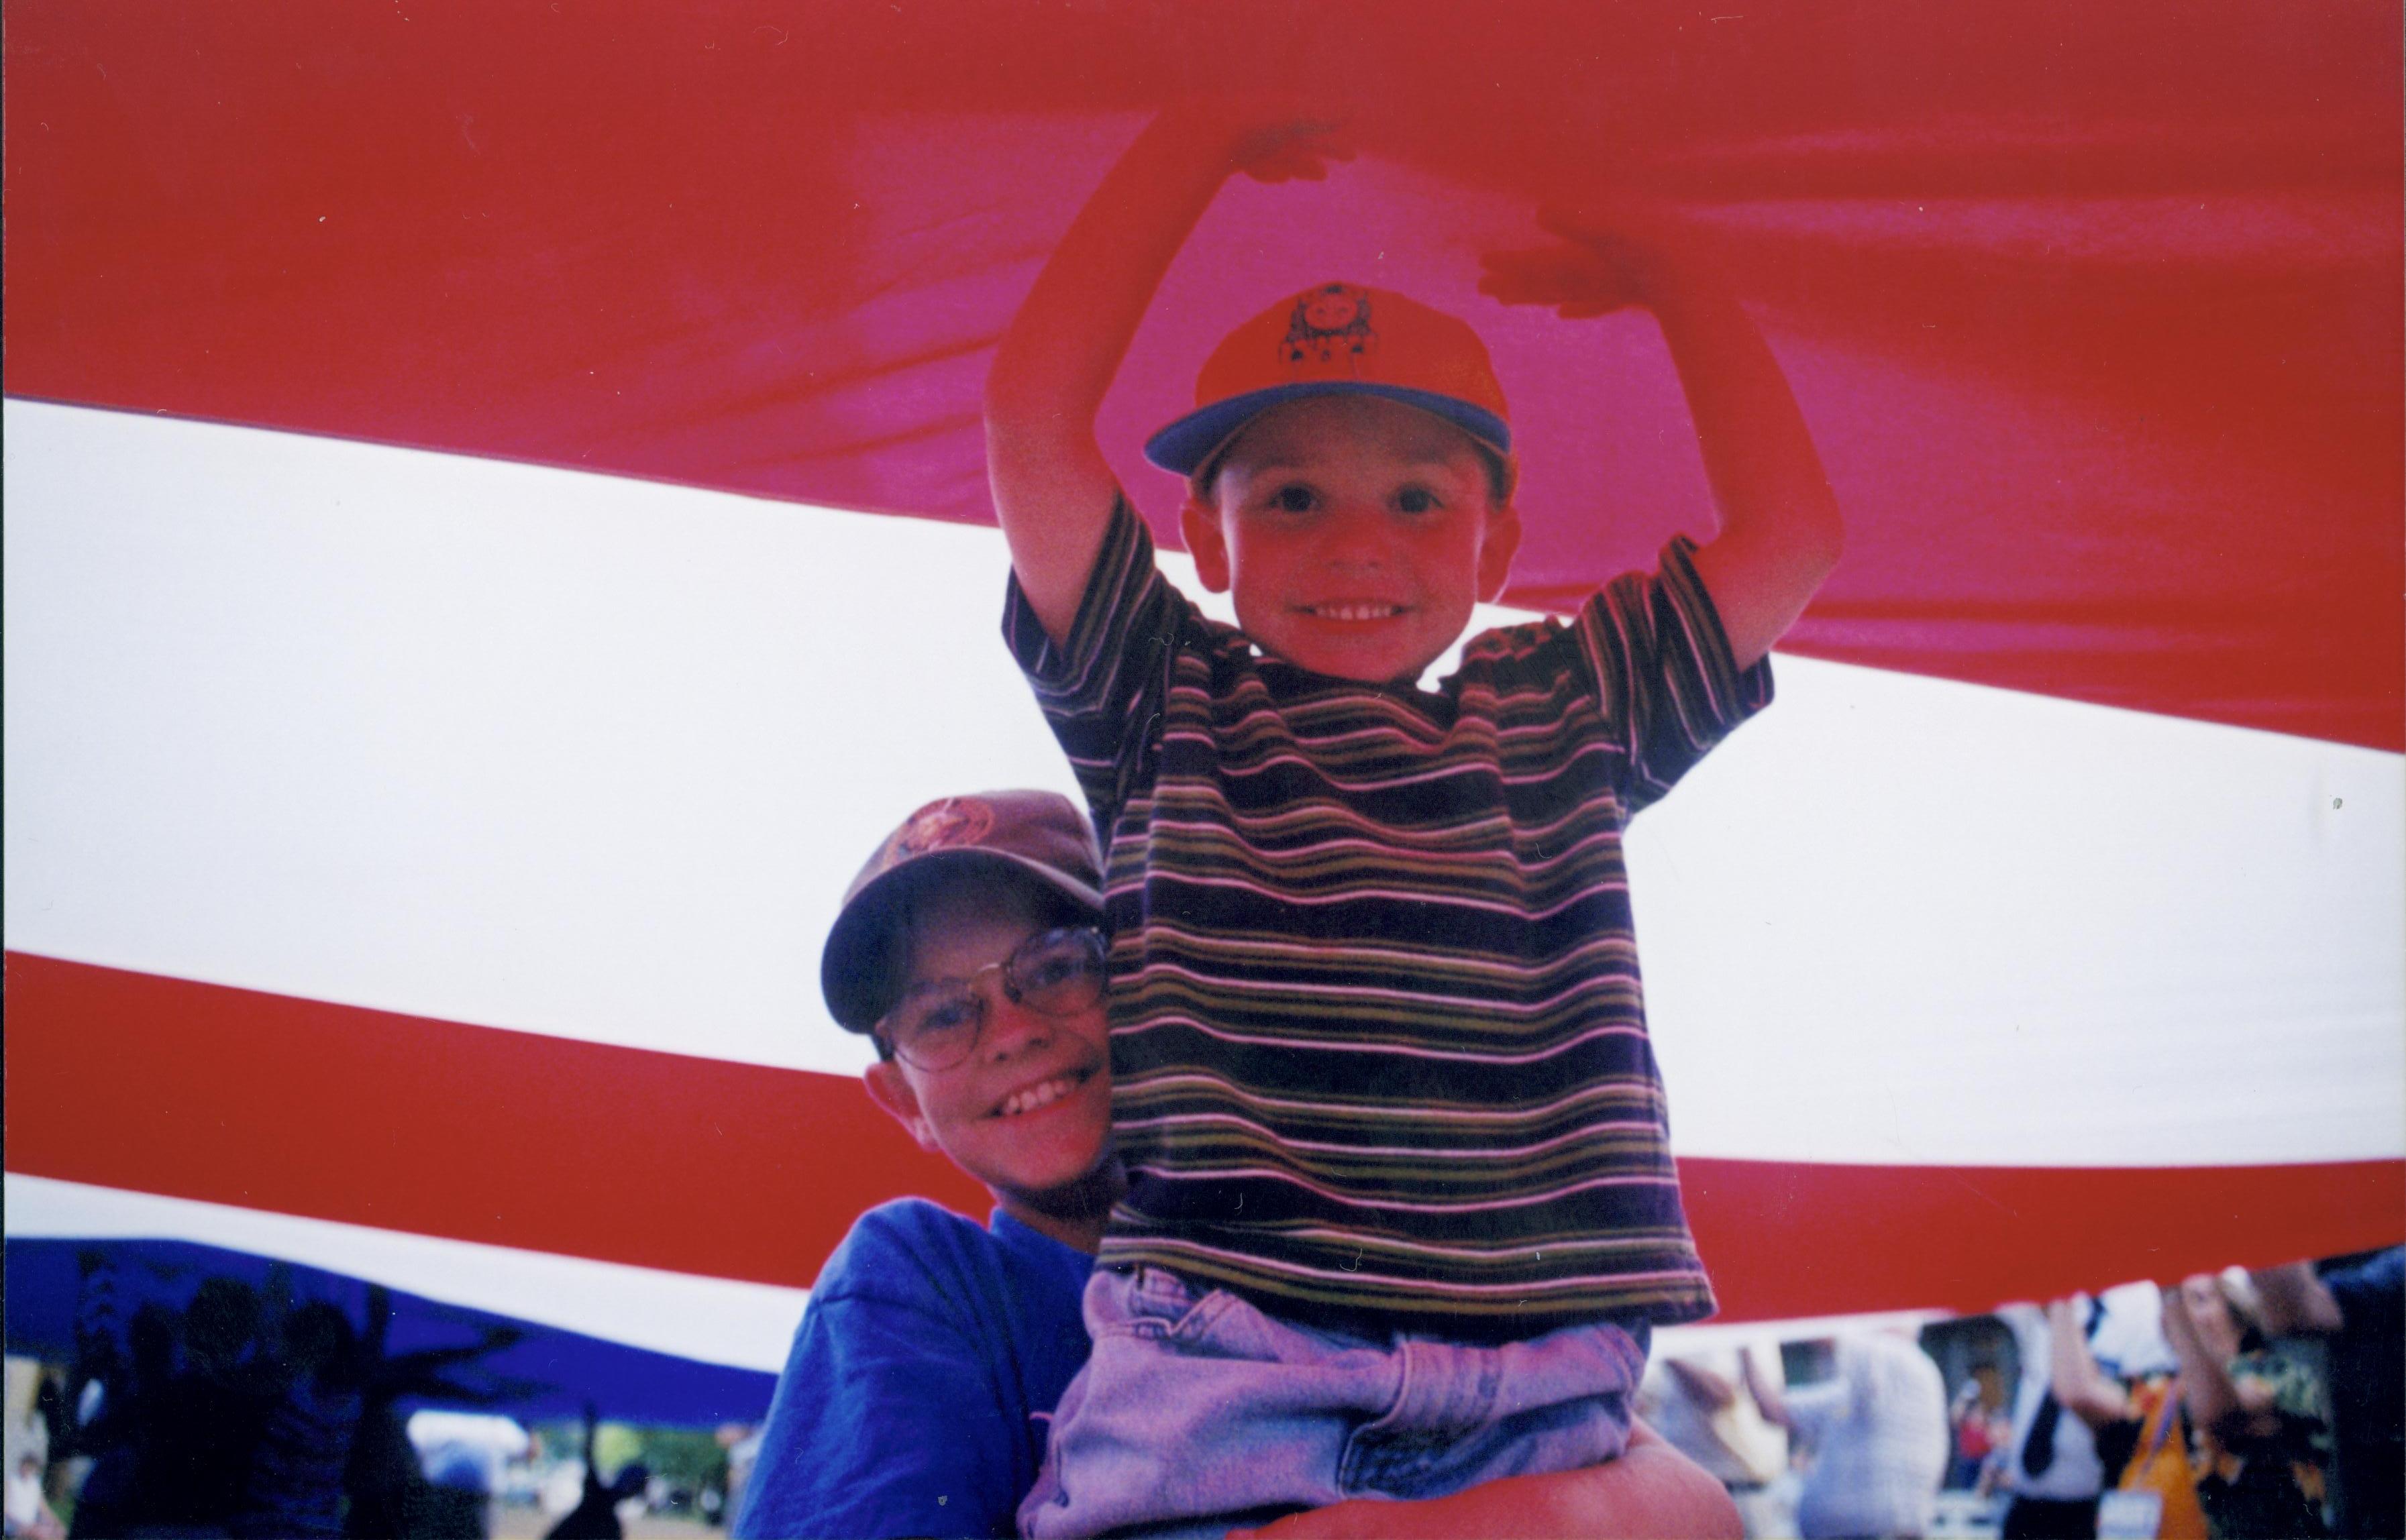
{"x":2368,"y":1375}
{"x":546,"y":1372}
{"x":916,"y":1398}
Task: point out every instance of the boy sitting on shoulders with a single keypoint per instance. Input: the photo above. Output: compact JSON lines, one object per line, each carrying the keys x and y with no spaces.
{"x":1401,"y":1210}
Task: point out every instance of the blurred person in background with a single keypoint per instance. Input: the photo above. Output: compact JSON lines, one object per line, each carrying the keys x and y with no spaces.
{"x":2258,"y":1410}
{"x":1877,"y":1432}
{"x":1978,"y":1426}
{"x":2141,"y":1432}
{"x":596,"y":1514}
{"x":1702,"y":1405}
{"x":28,"y":1513}
{"x":2358,"y":1308}
{"x":2051,"y":1466}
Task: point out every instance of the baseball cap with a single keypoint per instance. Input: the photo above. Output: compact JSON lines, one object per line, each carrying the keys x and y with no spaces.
{"x":1333,"y":340}
{"x":1035,"y":837}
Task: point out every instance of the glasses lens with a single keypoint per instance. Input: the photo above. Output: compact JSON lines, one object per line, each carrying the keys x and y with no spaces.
{"x":935,"y":1028}
{"x":1059,"y":971}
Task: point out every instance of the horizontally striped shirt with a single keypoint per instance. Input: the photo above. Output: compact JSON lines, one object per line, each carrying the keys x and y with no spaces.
{"x":1378,"y":1042}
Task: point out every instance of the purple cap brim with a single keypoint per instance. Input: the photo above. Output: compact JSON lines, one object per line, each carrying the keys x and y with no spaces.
{"x":1185,"y":444}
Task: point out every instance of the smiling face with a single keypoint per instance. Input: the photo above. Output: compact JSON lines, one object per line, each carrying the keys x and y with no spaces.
{"x":1355,"y":532}
{"x":1029,"y":1112}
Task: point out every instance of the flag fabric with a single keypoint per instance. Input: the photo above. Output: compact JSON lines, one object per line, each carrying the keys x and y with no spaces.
{"x":459,"y":642}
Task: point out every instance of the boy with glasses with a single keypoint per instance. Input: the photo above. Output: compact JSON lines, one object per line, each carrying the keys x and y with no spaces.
{"x":934,"y":1348}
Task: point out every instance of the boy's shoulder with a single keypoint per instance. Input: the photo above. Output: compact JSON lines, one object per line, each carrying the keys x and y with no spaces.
{"x":909,"y":1249}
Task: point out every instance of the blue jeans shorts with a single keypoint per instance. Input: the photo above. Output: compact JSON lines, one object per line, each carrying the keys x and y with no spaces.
{"x":1197,"y":1406}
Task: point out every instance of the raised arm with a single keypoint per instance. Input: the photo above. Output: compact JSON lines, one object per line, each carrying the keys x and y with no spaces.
{"x":2092,"y":1395}
{"x":2217,"y":1405}
{"x":1781,"y":530}
{"x":2297,"y":1303}
{"x":1052,"y":489}
{"x":1652,"y":1490}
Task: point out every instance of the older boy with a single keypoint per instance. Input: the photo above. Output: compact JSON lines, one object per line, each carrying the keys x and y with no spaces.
{"x":934,"y":1348}
{"x":1401,"y":1208}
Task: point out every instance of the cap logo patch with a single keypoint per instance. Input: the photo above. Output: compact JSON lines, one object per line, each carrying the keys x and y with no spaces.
{"x":1330,"y":327}
{"x":950,"y":821}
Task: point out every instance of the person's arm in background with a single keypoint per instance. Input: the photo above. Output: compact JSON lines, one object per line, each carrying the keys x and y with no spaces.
{"x":1651,"y":1490}
{"x":1804,"y":1410}
{"x":1780,"y":528}
{"x":1770,"y":1391}
{"x":2296,"y":1303}
{"x":2091,"y":1394}
{"x":2226,"y":1410}
{"x":1705,"y":1388}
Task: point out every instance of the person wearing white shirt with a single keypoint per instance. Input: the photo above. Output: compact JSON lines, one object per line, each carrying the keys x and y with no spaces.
{"x":1879,"y":1436}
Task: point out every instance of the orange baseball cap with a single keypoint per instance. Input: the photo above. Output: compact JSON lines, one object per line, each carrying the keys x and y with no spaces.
{"x":1339,"y":339}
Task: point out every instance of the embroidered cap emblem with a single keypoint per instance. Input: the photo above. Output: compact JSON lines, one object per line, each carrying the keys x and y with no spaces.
{"x":949,"y":821}
{"x":1330,"y":325}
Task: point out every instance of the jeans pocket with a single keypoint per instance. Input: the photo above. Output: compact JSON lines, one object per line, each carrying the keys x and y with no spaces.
{"x":1153,"y":1303}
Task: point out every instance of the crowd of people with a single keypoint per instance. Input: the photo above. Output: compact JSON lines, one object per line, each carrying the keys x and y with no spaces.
{"x":245,"y":1412}
{"x":2238,"y":1406}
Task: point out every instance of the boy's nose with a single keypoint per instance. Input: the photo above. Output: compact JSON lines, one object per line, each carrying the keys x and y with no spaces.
{"x":1011,"y":1028}
{"x":1357,"y":538}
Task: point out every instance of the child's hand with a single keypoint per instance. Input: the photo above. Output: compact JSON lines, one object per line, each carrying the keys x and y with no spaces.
{"x":1603,"y":263}
{"x":1276,"y":138}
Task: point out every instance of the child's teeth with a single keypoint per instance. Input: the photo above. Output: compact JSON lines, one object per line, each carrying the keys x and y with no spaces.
{"x":1035,"y":1097}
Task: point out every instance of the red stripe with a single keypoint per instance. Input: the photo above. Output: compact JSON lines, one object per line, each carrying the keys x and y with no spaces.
{"x":197,"y":1091}
{"x":764,"y":247}
{"x":129,"y":1080}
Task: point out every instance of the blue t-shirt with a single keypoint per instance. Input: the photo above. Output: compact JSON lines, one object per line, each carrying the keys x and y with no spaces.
{"x":916,"y":1397}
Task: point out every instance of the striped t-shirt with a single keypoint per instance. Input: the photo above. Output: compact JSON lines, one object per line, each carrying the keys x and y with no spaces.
{"x":1376,"y":1037}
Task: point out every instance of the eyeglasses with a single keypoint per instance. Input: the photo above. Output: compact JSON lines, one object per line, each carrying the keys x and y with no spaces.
{"x":937,"y":1023}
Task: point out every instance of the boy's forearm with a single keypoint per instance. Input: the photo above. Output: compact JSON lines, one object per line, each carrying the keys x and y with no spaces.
{"x":1780,"y":528}
{"x":1051,"y":485}
{"x":1756,"y":451}
{"x":1058,"y":356}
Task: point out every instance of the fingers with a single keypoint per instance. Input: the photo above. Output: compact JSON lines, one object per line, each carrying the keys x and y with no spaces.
{"x":1576,"y":281}
{"x":1273,"y":138}
{"x":1607,"y":221}
{"x":1294,"y":161}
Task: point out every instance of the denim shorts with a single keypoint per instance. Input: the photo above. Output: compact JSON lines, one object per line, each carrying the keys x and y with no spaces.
{"x":1197,"y":1405}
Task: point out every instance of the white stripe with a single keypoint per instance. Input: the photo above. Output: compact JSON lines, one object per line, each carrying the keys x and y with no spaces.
{"x":592,"y":756}
{"x":716,"y":1320}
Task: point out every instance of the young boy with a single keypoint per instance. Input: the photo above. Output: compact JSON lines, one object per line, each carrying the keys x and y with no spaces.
{"x":1401,"y":1208}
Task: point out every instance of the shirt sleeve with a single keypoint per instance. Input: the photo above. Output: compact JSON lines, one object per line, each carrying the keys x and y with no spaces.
{"x":1101,"y":694}
{"x":1669,"y":686}
{"x":884,"y":1423}
{"x":1813,"y":1407}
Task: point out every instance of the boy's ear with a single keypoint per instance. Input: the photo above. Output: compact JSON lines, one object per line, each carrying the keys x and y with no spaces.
{"x":890,"y":1089}
{"x":1497,"y":545}
{"x":1199,"y":522}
